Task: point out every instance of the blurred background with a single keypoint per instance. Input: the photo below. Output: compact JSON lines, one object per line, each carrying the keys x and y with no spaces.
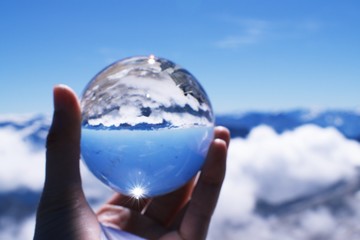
{"x":282,"y":75}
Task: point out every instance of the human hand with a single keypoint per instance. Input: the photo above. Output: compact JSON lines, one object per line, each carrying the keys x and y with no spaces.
{"x":64,"y":213}
{"x":182,"y":214}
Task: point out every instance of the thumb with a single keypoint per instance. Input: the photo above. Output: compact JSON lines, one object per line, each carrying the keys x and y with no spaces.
{"x":63,"y":142}
{"x":63,"y":212}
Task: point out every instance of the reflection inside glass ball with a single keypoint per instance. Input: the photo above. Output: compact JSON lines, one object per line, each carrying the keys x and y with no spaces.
{"x":147,"y":125}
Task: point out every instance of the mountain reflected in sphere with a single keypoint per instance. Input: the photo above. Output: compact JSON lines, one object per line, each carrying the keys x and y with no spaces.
{"x":147,"y":125}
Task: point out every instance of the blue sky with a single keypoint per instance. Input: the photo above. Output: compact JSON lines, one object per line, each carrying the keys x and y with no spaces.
{"x":248,"y":55}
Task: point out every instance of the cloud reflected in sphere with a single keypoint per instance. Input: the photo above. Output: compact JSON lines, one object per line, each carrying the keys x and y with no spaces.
{"x":147,"y":125}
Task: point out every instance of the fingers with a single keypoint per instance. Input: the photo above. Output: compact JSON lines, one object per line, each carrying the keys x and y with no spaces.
{"x":130,"y":220}
{"x":114,"y":216}
{"x":63,"y":142}
{"x":222,"y":133}
{"x":128,"y":202}
{"x":163,"y":209}
{"x":160,"y":211}
{"x":197,"y":217}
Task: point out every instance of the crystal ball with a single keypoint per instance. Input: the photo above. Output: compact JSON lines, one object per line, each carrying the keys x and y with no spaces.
{"x":147,"y":124}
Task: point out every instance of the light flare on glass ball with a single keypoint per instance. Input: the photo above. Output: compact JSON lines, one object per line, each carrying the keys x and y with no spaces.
{"x":147,"y":124}
{"x":138,"y":192}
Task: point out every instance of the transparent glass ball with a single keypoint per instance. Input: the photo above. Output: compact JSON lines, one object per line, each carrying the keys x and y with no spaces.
{"x":147,"y":125}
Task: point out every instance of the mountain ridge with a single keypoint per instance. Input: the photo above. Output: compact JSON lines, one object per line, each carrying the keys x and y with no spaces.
{"x":240,"y":124}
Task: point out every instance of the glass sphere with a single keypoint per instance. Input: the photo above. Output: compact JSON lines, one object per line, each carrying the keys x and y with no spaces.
{"x":147,"y":125}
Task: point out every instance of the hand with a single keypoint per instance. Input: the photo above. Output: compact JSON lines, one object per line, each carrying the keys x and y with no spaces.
{"x":64,"y":213}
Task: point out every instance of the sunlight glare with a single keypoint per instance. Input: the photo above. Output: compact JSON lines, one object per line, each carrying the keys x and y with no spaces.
{"x":138,"y":192}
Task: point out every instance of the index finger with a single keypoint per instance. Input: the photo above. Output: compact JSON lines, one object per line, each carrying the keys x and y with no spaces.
{"x":169,"y":208}
{"x":201,"y":207}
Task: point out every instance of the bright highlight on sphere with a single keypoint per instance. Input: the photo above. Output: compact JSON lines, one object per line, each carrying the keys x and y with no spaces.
{"x":147,"y":125}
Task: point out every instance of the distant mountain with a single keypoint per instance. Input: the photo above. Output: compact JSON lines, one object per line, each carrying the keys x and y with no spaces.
{"x":240,"y":124}
{"x":346,"y":122}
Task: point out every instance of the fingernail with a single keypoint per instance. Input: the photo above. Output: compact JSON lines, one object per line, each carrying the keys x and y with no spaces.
{"x":59,"y":99}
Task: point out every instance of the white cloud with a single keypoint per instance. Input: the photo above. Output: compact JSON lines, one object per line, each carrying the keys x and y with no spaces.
{"x":278,"y":168}
{"x":310,"y":25}
{"x":254,"y":31}
{"x":237,"y":41}
{"x":24,"y":166}
{"x":265,"y":165}
{"x":21,"y":165}
{"x":128,"y":94}
{"x":250,"y":31}
{"x":309,"y":158}
{"x":319,"y":221}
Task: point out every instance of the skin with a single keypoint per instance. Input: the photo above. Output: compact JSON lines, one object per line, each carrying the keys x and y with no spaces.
{"x":64,"y":213}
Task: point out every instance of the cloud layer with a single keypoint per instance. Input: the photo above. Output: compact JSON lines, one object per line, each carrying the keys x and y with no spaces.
{"x":265,"y":166}
{"x":278,"y":169}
